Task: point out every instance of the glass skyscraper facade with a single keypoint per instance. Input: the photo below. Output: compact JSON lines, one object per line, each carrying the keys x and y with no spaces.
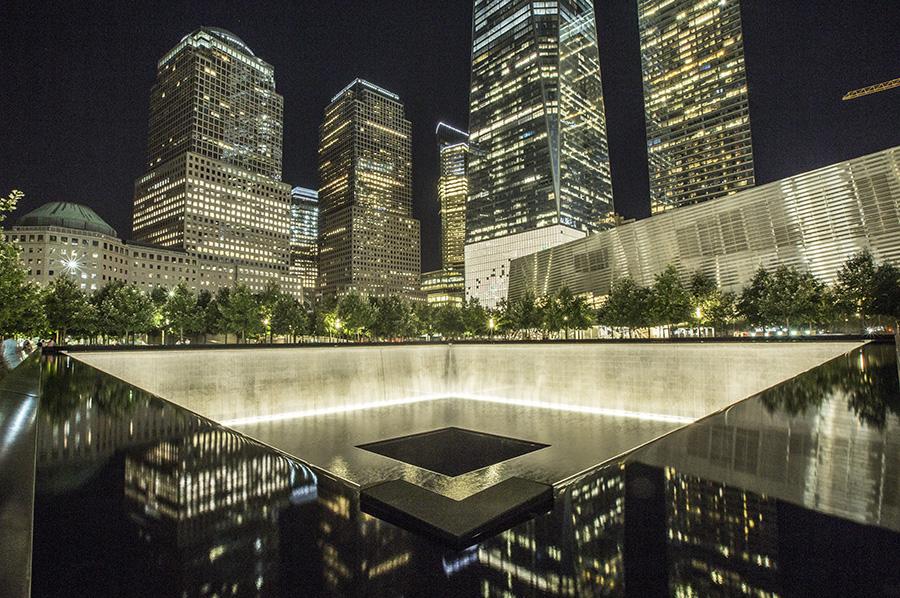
{"x":368,"y":239}
{"x":541,"y":174}
{"x":213,"y":185}
{"x":447,"y":285}
{"x":453,"y":190}
{"x":305,"y":238}
{"x":695,"y":100}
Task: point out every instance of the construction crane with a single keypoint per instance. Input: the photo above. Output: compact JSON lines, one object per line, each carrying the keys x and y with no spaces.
{"x":864,"y":91}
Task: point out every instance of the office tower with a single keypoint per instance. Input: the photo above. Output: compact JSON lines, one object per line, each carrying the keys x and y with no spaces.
{"x":695,"y":100}
{"x":213,"y":185}
{"x":541,"y":177}
{"x":368,"y":239}
{"x":447,"y":285}
{"x":453,"y":190}
{"x":305,"y":238}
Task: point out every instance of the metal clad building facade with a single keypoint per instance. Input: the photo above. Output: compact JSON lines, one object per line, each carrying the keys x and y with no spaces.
{"x":813,"y":221}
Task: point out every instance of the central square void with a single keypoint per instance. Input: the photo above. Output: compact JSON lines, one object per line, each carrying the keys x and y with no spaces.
{"x":452,"y":451}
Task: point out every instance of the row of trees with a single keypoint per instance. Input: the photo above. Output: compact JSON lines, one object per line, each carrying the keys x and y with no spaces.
{"x":781,"y":298}
{"x":784,"y":297}
{"x":123,"y":311}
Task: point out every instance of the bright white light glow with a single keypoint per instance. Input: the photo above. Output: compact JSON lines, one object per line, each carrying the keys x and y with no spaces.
{"x":274,"y":417}
{"x":71,"y":264}
{"x":552,"y":406}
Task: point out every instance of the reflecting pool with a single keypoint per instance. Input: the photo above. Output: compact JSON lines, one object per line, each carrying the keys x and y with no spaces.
{"x":794,"y":491}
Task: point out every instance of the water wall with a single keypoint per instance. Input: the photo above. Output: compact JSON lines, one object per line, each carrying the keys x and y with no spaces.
{"x":685,"y":380}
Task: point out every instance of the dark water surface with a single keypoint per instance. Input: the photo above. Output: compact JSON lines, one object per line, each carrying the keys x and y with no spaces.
{"x":793,"y":492}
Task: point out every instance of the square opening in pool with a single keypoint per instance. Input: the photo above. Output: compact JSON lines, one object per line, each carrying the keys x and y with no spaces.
{"x":452,"y":451}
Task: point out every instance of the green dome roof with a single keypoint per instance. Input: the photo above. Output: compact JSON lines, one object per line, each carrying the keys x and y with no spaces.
{"x":67,"y":215}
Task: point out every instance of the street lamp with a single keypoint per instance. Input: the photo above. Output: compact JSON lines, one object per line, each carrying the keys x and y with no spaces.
{"x":491,"y":325}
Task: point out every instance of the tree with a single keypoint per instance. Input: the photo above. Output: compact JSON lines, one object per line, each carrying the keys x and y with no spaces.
{"x":855,"y":285}
{"x":671,"y":302}
{"x":786,"y":297}
{"x":66,"y":307}
{"x":521,"y":315}
{"x":722,"y":311}
{"x":423,"y":322}
{"x":241,"y":313}
{"x":355,"y":315}
{"x":20,"y":309}
{"x":392,"y":317}
{"x":8,"y":203}
{"x":448,"y":321}
{"x":266,"y":299}
{"x":124,"y":310}
{"x":32,"y":320}
{"x":13,"y":283}
{"x":550,"y":315}
{"x":213,"y":321}
{"x":288,"y":317}
{"x":475,"y":318}
{"x":886,"y":294}
{"x":753,"y":302}
{"x":181,"y":313}
{"x":704,"y":296}
{"x":159,"y":295}
{"x":793,"y":297}
{"x":322,"y":315}
{"x":628,"y":305}
{"x":576,"y":314}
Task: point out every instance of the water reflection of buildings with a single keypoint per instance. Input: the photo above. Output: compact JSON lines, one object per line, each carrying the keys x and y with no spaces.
{"x":721,"y":540}
{"x":736,"y":504}
{"x":575,"y":550}
{"x":336,"y":550}
{"x":87,"y":431}
{"x":814,"y":442}
{"x":209,"y":503}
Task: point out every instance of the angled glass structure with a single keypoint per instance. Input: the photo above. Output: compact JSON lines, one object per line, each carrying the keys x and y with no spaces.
{"x":537,"y":118}
{"x":695,"y":100}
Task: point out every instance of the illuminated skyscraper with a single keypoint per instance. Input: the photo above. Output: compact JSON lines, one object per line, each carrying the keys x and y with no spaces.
{"x":368,"y":239}
{"x":695,"y":99}
{"x":541,"y":176}
{"x":453,"y":190}
{"x":305,"y":238}
{"x":213,"y":185}
{"x":447,"y":285}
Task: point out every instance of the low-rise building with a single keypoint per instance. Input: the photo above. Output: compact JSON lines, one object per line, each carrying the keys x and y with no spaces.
{"x":444,"y":287}
{"x":62,"y":238}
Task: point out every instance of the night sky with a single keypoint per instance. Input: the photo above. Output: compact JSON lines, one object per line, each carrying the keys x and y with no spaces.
{"x":76,"y":85}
